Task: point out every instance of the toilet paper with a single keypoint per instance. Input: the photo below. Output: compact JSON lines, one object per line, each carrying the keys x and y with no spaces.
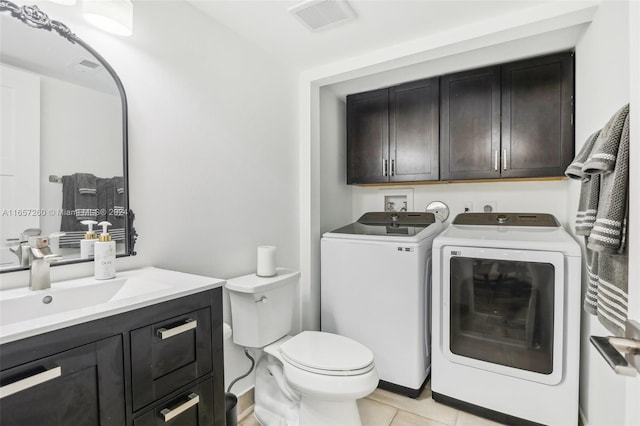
{"x":266,"y":261}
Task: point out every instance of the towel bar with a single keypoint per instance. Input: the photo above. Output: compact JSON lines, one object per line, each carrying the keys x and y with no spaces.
{"x":622,"y":354}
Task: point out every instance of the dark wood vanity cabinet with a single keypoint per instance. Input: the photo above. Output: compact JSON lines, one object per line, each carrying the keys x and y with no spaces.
{"x":508,"y":121}
{"x":161,"y":364}
{"x":392,"y":134}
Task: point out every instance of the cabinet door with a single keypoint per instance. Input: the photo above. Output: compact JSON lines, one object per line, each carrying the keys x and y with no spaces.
{"x":470,"y":125}
{"x":368,"y":137}
{"x":81,"y":387}
{"x":537,"y":116}
{"x":413,"y":131}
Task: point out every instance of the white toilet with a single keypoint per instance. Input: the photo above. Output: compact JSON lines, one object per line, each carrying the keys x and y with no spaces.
{"x":313,"y":378}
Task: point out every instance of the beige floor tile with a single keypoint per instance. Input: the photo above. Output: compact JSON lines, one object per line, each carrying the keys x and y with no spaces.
{"x":249,"y":421}
{"x":466,"y":419}
{"x":374,"y":413}
{"x":423,"y":405}
{"x":405,"y":418}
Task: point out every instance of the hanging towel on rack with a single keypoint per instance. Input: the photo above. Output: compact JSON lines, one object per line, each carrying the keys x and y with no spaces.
{"x":86,"y":201}
{"x":606,"y":162}
{"x":589,"y":190}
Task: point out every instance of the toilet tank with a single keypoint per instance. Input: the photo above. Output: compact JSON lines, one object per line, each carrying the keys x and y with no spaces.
{"x":262,"y":307}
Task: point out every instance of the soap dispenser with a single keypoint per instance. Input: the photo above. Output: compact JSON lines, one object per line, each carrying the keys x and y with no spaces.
{"x":87,"y":245}
{"x":105,"y":255}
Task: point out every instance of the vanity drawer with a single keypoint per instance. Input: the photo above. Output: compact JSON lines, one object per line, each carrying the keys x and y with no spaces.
{"x":169,"y":354}
{"x":192,"y":407}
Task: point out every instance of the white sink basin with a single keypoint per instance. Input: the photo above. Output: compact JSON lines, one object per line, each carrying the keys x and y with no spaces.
{"x":25,"y":313}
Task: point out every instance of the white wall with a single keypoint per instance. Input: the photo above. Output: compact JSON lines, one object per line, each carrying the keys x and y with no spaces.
{"x":602,"y":87}
{"x":212,"y":148}
{"x":335,"y":196}
{"x":534,"y":196}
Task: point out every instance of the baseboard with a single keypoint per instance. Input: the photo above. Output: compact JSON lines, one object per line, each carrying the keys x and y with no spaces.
{"x":246,"y":402}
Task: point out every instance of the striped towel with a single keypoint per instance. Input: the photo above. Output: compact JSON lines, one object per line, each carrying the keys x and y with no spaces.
{"x":607,"y":163}
{"x":86,"y":202}
{"x":589,"y":191}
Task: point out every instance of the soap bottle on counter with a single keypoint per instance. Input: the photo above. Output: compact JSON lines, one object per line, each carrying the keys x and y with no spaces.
{"x":105,"y":255}
{"x":87,"y":245}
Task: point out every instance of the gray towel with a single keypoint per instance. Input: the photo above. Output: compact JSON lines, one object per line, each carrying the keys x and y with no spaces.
{"x":607,"y":235}
{"x":86,"y":201}
{"x":589,"y":191}
{"x":605,"y":174}
{"x":68,"y":220}
{"x":86,"y":183}
{"x":603,"y":156}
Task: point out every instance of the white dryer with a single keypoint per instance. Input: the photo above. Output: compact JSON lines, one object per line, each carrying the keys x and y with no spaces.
{"x":506,"y":318}
{"x":375,"y":289}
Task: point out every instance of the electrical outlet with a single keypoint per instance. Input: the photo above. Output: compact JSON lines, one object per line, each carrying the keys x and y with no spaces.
{"x":489,"y":206}
{"x":468,"y":206}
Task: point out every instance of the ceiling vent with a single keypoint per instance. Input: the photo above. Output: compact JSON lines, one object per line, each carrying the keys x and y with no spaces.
{"x":85,"y":66}
{"x":322,"y":14}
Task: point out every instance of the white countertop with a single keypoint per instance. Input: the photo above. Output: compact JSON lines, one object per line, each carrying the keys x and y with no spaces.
{"x":23,"y":313}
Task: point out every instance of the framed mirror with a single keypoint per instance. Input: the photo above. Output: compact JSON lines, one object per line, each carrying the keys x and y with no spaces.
{"x":63,"y":156}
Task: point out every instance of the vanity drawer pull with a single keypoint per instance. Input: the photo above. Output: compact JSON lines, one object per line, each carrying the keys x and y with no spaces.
{"x":189,"y":324}
{"x":168,"y":414}
{"x":30,"y":382}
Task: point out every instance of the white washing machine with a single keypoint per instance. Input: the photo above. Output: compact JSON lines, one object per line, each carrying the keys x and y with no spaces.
{"x":375,"y":289}
{"x":506,"y":318}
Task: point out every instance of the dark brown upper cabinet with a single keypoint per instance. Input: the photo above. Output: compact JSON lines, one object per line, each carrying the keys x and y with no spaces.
{"x":509,"y":121}
{"x":392,"y":134}
{"x":470,"y":124}
{"x":537,"y":116}
{"x":368,"y":137}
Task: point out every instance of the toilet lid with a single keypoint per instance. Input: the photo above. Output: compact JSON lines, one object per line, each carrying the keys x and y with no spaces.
{"x":326,"y":353}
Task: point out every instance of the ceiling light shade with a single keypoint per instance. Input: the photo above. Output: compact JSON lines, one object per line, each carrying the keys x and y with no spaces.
{"x":114,"y":16}
{"x":64,"y":2}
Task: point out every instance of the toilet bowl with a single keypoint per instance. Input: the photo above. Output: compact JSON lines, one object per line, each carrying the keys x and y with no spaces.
{"x":318,"y":375}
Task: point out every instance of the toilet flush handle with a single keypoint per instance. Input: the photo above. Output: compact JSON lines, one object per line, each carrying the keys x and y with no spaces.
{"x":263,"y":299}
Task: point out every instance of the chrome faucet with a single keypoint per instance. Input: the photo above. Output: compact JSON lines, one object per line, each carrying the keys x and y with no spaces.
{"x":41,"y":258}
{"x":23,"y":248}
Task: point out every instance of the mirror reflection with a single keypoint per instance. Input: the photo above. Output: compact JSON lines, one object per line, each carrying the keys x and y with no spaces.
{"x":63,"y":140}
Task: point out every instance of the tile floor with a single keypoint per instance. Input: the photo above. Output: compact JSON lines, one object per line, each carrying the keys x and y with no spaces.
{"x":383,"y":408}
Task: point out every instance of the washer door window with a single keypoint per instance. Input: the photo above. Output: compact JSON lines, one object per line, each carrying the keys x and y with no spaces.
{"x":504,"y":311}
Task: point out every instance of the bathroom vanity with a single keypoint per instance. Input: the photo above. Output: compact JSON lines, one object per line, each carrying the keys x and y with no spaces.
{"x":149,"y":353}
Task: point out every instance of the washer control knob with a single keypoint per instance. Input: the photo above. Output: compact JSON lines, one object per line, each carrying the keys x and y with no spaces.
{"x":394,"y":217}
{"x":502,"y":218}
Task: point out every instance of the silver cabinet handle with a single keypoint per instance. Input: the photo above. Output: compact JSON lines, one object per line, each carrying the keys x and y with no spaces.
{"x":393,"y":167}
{"x":495,"y":160}
{"x":169,"y":414}
{"x":622,"y":354}
{"x":30,"y":382}
{"x":504,"y":159}
{"x":384,"y":168}
{"x":189,"y":324}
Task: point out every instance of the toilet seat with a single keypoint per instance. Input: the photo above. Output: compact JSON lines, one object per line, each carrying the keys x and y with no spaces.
{"x":327,"y":354}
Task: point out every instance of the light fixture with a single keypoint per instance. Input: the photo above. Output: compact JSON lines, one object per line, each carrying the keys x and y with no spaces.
{"x":64,"y":2}
{"x":114,"y":16}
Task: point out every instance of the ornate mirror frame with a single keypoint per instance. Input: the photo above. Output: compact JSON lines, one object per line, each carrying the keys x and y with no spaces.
{"x":37,"y":19}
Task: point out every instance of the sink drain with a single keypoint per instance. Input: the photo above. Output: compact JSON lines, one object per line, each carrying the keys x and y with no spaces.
{"x":47,"y":299}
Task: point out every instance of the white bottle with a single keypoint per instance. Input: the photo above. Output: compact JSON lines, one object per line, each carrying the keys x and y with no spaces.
{"x":87,"y":245}
{"x":105,"y":255}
